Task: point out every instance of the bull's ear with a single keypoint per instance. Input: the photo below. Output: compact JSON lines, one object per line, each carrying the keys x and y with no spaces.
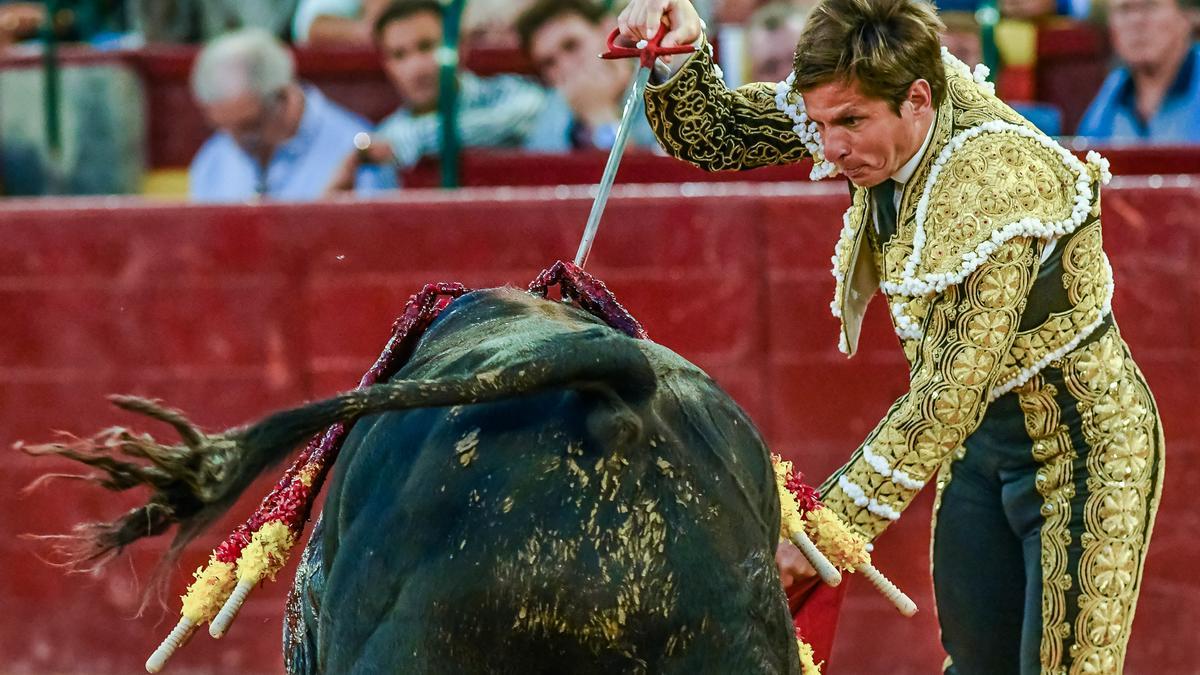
{"x":615,"y":423}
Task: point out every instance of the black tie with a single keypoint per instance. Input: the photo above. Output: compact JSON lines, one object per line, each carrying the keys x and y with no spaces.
{"x":883,"y":197}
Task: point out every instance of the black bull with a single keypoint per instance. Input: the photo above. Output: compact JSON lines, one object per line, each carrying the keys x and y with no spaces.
{"x":532,"y":492}
{"x":624,"y":519}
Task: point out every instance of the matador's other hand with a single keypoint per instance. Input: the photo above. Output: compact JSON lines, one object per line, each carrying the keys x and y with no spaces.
{"x":795,"y":572}
{"x":641,"y":18}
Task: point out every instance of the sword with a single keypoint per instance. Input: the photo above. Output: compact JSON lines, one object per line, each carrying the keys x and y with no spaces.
{"x":646,"y":52}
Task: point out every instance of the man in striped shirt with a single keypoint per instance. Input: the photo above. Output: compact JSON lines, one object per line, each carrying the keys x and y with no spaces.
{"x":493,"y":111}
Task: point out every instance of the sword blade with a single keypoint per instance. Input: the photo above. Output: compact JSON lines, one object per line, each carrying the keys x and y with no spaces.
{"x":633,"y":106}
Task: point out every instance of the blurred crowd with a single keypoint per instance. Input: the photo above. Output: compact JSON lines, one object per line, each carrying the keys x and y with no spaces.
{"x":276,"y":136}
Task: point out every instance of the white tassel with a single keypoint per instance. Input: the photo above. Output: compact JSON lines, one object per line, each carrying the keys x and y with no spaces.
{"x":220,"y":624}
{"x":178,"y":637}
{"x":897,"y":597}
{"x":825,"y":569}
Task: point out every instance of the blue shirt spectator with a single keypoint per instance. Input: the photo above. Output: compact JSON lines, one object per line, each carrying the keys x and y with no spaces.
{"x":1113,"y":115}
{"x":299,"y":169}
{"x":1154,"y":97}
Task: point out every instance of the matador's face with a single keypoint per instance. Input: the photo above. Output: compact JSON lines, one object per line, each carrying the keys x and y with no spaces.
{"x":863,"y":135}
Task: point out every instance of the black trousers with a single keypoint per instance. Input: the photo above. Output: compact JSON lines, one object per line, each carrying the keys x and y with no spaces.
{"x":1043,"y":520}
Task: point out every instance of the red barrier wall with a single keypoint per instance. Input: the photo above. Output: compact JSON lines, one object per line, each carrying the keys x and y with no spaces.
{"x":228,"y":312}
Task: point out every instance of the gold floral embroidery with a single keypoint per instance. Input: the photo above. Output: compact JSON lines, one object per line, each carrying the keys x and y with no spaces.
{"x":978,"y":185}
{"x":1052,"y":449}
{"x":987,"y":329}
{"x":893,"y":259}
{"x":953,"y":406}
{"x":1085,"y":278}
{"x":978,"y":107}
{"x":699,"y":120}
{"x":1120,"y":425}
{"x":1100,"y":662}
{"x":999,"y":287}
{"x":1119,"y":511}
{"x":971,"y":365}
{"x":953,"y":368}
{"x":1128,"y":454}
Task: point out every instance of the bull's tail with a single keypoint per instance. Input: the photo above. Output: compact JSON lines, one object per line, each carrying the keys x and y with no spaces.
{"x":196,"y":481}
{"x":608,"y":363}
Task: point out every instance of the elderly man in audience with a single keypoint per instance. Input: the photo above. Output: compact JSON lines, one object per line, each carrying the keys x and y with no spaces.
{"x":276,"y":139}
{"x":1155,"y":96}
{"x":563,"y":39}
{"x":494,"y":111}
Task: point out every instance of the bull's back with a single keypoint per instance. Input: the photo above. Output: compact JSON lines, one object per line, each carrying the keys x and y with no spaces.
{"x":580,"y":529}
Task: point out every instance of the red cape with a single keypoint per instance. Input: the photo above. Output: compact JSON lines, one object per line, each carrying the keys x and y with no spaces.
{"x":815,"y":610}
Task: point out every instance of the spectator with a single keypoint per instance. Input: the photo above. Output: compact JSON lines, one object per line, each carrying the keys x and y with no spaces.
{"x":276,"y":138}
{"x":1155,"y":96}
{"x":336,"y":22}
{"x":563,"y":39}
{"x":492,"y":112}
{"x":773,"y":31}
{"x":961,"y":37}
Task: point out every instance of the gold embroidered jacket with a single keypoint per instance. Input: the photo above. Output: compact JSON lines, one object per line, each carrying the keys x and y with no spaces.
{"x":996,"y":268}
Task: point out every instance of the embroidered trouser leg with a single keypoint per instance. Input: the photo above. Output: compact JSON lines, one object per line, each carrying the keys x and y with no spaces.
{"x":1043,"y":525}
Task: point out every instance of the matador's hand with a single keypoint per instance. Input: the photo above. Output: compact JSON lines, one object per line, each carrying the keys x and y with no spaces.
{"x":795,"y":572}
{"x":641,"y":18}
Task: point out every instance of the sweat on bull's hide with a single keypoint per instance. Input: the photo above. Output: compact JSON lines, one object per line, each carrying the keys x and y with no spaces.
{"x":524,"y":485}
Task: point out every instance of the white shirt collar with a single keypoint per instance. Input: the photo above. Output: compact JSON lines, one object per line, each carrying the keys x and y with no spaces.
{"x":904,"y":173}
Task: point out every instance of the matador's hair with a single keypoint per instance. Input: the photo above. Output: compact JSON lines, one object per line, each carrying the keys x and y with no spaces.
{"x":883,"y":45}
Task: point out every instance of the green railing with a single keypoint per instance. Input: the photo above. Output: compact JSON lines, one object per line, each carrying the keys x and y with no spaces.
{"x":51,"y":99}
{"x":448,"y":59}
{"x":988,"y":15}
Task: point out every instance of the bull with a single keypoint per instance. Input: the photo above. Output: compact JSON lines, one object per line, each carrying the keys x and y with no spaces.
{"x":535,"y":489}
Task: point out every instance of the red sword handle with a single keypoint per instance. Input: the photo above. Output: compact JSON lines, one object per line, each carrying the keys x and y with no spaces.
{"x":648,"y":53}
